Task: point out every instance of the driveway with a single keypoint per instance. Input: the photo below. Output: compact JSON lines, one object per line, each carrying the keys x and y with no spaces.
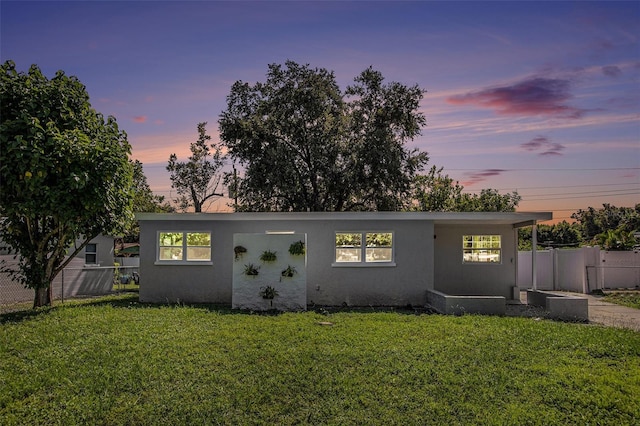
{"x":610,"y":314}
{"x":600,"y":312}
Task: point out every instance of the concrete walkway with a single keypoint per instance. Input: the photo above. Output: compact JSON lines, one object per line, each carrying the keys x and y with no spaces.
{"x":612,"y":315}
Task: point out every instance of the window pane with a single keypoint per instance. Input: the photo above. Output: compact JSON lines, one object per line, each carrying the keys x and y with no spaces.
{"x":199,"y":239}
{"x":170,"y":253}
{"x":383,"y":239}
{"x":90,"y":259}
{"x":198,"y":253}
{"x":379,"y":254}
{"x":348,"y":240}
{"x":348,"y":254}
{"x":91,"y":248}
{"x":171,"y":239}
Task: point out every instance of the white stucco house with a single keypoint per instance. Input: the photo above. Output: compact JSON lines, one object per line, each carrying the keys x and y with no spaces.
{"x":468,"y":260}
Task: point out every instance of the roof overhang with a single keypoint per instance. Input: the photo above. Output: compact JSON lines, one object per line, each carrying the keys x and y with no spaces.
{"x":516,"y":219}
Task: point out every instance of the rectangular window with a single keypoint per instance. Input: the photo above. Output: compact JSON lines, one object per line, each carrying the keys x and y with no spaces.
{"x":91,"y":254}
{"x":184,"y":246}
{"x":481,"y":249}
{"x":377,"y":247}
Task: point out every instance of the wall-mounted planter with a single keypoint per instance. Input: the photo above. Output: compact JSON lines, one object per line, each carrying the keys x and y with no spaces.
{"x":268,"y":256}
{"x":289,"y":272}
{"x":238,"y":251}
{"x":297,"y":248}
{"x":268,"y":292}
{"x":251,"y":270}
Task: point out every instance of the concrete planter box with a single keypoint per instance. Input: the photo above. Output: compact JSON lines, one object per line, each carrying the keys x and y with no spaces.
{"x":458,"y":305}
{"x":559,"y":306}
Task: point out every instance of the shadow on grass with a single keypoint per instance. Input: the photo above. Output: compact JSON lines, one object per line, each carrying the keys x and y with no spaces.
{"x":130,"y":300}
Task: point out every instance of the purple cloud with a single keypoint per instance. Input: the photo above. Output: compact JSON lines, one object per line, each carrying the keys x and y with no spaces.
{"x":611,"y":71}
{"x":542,"y":143}
{"x":535,"y":96}
{"x":535,"y":143}
{"x":476,"y":177}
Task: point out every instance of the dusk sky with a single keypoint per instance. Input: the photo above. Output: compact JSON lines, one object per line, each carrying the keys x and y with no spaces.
{"x":538,"y":97}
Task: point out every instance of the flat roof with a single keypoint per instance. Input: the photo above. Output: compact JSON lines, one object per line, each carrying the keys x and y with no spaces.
{"x":498,"y":218}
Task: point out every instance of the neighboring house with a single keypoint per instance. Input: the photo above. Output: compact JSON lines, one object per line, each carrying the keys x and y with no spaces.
{"x":90,"y":272}
{"x":351,"y":258}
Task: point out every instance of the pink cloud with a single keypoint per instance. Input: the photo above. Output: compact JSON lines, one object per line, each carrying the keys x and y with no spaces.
{"x":477,"y":177}
{"x":140,"y":119}
{"x":534,"y":96}
{"x":542,"y":143}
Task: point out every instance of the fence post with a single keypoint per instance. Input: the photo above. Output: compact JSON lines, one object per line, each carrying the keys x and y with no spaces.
{"x":62,"y":295}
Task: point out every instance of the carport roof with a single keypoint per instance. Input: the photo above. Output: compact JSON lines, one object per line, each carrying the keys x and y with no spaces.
{"x":516,"y":219}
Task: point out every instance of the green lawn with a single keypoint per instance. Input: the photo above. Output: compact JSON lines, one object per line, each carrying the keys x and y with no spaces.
{"x":625,"y":298}
{"x":115,"y":361}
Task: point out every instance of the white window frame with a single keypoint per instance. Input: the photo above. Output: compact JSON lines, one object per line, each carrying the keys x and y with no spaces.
{"x":92,"y":253}
{"x":184,"y":247}
{"x":363,"y":251}
{"x":487,"y":251}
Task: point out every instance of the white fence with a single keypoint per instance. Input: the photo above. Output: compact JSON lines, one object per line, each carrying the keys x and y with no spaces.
{"x":580,"y":270}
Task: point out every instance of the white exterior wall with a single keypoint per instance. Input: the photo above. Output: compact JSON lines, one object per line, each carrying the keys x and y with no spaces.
{"x":327,"y":284}
{"x":454,"y":277}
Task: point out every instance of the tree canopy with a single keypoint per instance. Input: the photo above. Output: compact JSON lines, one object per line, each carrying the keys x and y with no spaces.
{"x":197,"y":180}
{"x":307,"y":146}
{"x":610,"y":227}
{"x":594,"y":221}
{"x":437,"y":192}
{"x":65,"y":173}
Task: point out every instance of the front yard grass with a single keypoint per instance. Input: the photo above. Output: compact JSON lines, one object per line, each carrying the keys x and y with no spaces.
{"x":115,"y":361}
{"x":625,"y":298}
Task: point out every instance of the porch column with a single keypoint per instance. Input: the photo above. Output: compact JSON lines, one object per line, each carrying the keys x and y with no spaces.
{"x":534,"y":245}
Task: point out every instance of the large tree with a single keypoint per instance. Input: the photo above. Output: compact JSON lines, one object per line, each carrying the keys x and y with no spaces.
{"x":197,"y":180}
{"x":435,"y":192}
{"x":64,"y":171}
{"x":306,"y":146}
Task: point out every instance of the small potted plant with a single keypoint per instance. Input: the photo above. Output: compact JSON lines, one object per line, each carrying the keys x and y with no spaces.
{"x":268,"y":256}
{"x":251,"y":269}
{"x":297,"y":248}
{"x":238,"y":251}
{"x":289,"y":272}
{"x":268,"y":293}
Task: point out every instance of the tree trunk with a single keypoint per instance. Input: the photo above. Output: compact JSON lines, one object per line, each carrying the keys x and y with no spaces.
{"x":42,"y":297}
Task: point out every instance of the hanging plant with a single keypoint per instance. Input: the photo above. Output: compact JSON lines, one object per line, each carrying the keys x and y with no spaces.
{"x":268,"y":292}
{"x":268,"y":256}
{"x":251,"y":270}
{"x":239,"y":251}
{"x":297,"y":248}
{"x":289,"y":272}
